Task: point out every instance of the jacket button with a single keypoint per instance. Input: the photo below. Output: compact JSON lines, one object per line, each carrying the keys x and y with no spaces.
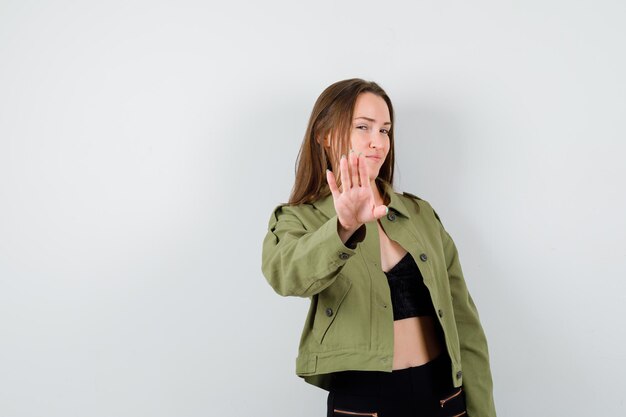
{"x":343,"y":256}
{"x":440,"y":312}
{"x":391,"y":216}
{"x":329,"y":311}
{"x":423,"y":257}
{"x":459,"y":375}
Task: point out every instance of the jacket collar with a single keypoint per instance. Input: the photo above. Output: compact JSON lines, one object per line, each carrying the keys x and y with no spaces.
{"x":327,"y":206}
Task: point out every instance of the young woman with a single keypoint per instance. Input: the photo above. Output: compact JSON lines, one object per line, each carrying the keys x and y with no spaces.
{"x":392,"y":330}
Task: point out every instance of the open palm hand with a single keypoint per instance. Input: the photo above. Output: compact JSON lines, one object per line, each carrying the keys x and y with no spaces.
{"x":354,"y":203}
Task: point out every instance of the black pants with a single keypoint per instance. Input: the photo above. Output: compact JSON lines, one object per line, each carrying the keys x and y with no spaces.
{"x":420,"y":391}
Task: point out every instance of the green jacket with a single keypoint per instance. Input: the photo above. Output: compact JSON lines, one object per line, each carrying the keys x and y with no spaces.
{"x":349,"y":325}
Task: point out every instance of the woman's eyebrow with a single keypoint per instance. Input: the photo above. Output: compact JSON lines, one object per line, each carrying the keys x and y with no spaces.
{"x":370,"y":119}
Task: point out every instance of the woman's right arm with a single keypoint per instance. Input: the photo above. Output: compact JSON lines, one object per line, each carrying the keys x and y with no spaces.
{"x":302,"y":262}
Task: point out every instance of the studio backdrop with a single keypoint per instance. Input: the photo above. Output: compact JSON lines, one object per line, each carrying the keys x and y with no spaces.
{"x":144,"y":144}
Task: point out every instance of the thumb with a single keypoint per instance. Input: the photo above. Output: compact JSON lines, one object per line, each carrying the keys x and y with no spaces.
{"x":380,"y":211}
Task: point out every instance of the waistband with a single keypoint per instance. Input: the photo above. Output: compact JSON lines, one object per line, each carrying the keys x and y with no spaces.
{"x":422,"y":381}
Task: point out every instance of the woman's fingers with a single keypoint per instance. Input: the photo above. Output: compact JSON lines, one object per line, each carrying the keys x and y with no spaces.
{"x":332,"y":183}
{"x":363,"y":171}
{"x":380,"y":211}
{"x":354,"y":169}
{"x":345,"y":175}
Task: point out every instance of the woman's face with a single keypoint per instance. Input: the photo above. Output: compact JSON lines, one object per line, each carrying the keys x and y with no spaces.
{"x":369,"y":133}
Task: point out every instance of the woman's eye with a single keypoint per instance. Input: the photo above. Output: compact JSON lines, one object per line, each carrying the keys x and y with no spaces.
{"x":362,"y":127}
{"x":385,"y":131}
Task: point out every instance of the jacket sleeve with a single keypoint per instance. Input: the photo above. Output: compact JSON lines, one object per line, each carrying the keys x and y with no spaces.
{"x":477,"y":381}
{"x":302,"y":262}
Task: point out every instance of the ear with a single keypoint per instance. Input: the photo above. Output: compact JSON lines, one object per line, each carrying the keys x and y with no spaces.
{"x":326,"y":142}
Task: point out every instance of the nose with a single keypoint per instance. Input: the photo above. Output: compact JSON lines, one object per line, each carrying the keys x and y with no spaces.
{"x":376,"y":140}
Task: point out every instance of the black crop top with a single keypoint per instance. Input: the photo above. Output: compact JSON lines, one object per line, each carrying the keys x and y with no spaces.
{"x":409,"y":295}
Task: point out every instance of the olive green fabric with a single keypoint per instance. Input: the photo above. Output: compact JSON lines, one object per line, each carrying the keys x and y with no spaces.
{"x":349,"y":325}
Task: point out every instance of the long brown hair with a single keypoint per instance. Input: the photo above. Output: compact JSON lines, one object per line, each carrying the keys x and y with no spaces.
{"x":332,"y":115}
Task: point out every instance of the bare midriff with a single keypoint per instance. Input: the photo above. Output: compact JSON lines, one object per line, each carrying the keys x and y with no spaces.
{"x":415,"y":342}
{"x":416,"y":339}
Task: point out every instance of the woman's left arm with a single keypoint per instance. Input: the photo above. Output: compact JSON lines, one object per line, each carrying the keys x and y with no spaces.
{"x":477,"y":381}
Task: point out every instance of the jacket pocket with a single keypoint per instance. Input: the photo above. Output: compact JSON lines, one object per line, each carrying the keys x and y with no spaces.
{"x":328,"y":305}
{"x":452,"y":404}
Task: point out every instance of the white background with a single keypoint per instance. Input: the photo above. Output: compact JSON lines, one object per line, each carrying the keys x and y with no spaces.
{"x":144,"y":144}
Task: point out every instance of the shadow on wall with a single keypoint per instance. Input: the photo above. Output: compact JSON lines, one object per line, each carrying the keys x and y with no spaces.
{"x":429,"y":150}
